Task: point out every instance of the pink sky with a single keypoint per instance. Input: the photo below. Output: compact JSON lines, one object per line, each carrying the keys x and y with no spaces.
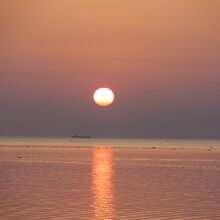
{"x":162,"y":59}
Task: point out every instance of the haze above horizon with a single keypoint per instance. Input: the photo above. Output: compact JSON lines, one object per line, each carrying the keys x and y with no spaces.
{"x":161,"y":59}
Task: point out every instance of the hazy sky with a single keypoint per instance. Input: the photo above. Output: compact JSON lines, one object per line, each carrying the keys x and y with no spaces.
{"x":160,"y":57}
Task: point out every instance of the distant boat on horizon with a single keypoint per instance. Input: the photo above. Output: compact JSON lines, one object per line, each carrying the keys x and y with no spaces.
{"x":80,"y":136}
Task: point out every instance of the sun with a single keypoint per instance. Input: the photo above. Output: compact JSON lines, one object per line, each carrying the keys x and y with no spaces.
{"x":103,"y":96}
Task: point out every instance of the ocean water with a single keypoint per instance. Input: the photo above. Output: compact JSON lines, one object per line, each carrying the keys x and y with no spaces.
{"x":129,"y":180}
{"x":111,"y":142}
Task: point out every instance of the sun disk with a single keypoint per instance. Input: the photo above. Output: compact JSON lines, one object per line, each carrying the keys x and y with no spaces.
{"x":103,"y":96}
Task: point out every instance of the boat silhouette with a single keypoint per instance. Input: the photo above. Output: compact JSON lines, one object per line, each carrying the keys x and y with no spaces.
{"x":80,"y":136}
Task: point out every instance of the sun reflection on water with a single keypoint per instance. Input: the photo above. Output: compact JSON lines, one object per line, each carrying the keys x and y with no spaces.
{"x":102,"y":184}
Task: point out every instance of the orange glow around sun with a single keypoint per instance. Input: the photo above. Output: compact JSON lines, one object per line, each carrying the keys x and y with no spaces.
{"x":103,"y":96}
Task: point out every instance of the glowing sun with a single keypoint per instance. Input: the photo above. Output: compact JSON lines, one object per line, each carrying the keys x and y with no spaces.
{"x":103,"y":96}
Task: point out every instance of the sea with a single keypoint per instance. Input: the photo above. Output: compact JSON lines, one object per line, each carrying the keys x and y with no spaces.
{"x":110,"y":142}
{"x":103,"y":182}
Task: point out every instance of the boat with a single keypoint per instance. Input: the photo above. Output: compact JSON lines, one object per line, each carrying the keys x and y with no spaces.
{"x":80,"y":136}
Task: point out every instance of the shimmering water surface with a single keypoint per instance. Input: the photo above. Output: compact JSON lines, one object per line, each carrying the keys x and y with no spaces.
{"x":111,"y":142}
{"x":107,"y":183}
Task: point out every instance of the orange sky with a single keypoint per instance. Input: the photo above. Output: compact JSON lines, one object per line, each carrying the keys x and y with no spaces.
{"x":162,"y":59}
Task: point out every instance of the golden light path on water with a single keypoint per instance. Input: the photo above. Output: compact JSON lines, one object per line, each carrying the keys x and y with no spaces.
{"x":103,"y":197}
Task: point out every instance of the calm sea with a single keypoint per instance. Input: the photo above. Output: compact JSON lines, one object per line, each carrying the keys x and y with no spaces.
{"x":106,"y":184}
{"x":112,"y":142}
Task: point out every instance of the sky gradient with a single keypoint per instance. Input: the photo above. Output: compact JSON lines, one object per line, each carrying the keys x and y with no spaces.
{"x":161,"y":59}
